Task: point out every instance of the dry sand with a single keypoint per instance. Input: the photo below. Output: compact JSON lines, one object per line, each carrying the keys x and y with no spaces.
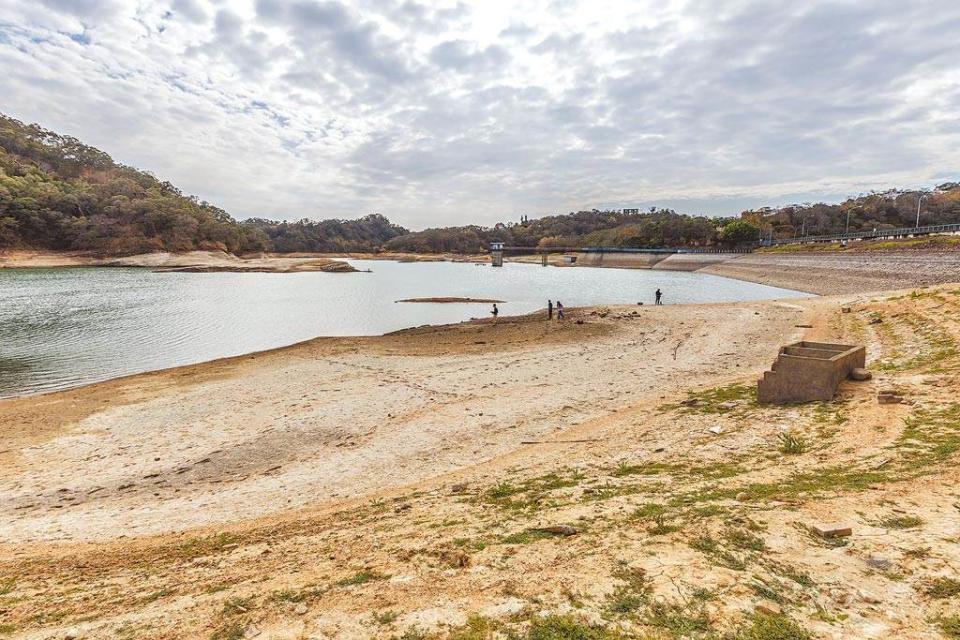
{"x":364,"y":488}
{"x":191,"y":261}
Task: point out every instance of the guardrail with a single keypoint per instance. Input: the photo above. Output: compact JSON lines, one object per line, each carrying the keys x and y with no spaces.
{"x":623,"y":250}
{"x":899,"y":232}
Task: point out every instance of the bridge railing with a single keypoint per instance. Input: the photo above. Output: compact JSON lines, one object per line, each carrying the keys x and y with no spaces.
{"x":876,"y":233}
{"x":623,"y":250}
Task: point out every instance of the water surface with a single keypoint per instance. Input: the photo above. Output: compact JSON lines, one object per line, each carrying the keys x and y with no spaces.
{"x":66,"y":327}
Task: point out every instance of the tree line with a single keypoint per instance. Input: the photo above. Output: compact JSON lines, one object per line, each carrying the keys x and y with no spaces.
{"x":58,"y":193}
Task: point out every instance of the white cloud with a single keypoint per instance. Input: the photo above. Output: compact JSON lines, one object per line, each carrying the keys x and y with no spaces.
{"x":450,"y":112}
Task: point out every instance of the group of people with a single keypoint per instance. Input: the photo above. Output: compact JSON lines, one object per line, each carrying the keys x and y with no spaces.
{"x":658,"y":300}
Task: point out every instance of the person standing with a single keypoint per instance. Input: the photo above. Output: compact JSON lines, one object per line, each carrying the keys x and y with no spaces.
{"x":658,"y":295}
{"x":559,"y":310}
{"x":495,"y":312}
{"x":549,"y":309}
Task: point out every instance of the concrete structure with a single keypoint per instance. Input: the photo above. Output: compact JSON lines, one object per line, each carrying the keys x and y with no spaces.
{"x":496,"y":254}
{"x":809,"y":371}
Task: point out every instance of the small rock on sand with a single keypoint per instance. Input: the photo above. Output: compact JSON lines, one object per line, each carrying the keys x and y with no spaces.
{"x":559,"y":530}
{"x":860,"y":374}
{"x":769,"y":608}
{"x":832,"y":530}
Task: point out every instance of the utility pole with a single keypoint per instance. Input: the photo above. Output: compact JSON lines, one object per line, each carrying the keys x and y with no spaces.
{"x":848,"y":221}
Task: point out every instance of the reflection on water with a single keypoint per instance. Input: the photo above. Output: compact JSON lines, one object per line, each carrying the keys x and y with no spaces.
{"x":65,"y":327}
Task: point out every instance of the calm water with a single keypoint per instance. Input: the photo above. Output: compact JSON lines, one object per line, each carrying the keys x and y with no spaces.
{"x":65,"y":327}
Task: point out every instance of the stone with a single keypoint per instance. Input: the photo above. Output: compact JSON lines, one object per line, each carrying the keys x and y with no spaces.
{"x":727,"y":405}
{"x":869,"y":598}
{"x":832,"y":530}
{"x":300,"y":609}
{"x":717,"y":430}
{"x":251,"y":631}
{"x":459,"y":487}
{"x":769,"y":608}
{"x":71,"y":634}
{"x":559,"y":530}
{"x":860,"y":374}
{"x":402,"y":507}
{"x":743,"y":496}
{"x":845,"y":309}
{"x":889,"y":397}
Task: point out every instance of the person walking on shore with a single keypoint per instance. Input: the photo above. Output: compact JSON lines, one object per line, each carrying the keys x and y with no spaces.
{"x":559,"y":310}
{"x":495,"y":312}
{"x":658,"y":295}
{"x":549,"y":309}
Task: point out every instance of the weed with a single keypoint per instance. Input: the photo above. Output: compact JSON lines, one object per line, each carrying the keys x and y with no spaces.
{"x":941,"y":588}
{"x":792,"y":445}
{"x":771,"y":627}
{"x":567,"y":628}
{"x":385,"y":618}
{"x":232,"y":631}
{"x":7,"y":629}
{"x":949,"y":626}
{"x":476,"y":628}
{"x":234,"y":606}
{"x":526,"y":536}
{"x":362,"y":577}
{"x":744,"y":540}
{"x":632,"y":594}
{"x":901,"y":522}
{"x":196,"y":547}
{"x":718,"y":399}
{"x":680,"y":620}
{"x":917,"y":553}
{"x":6,"y":586}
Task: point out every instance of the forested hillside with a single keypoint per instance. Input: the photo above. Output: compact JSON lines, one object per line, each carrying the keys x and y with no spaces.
{"x":58,"y":193}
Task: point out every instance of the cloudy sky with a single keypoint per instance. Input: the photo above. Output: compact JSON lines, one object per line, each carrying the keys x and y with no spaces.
{"x":447,"y":112}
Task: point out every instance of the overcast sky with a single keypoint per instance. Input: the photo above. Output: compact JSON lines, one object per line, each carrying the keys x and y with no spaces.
{"x":449,"y":112}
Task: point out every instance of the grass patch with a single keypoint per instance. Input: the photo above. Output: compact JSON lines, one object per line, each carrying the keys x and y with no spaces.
{"x":942,"y":588}
{"x":476,"y":628}
{"x":632,"y":594}
{"x":6,"y":585}
{"x":711,"y":548}
{"x":949,"y":626}
{"x":527,"y":536}
{"x":744,"y":540}
{"x":771,"y":627}
{"x":791,"y":445}
{"x":716,"y":401}
{"x":362,"y":577}
{"x":528,"y":495}
{"x":679,"y":620}
{"x":901,"y":522}
{"x":232,"y":631}
{"x":235,"y":606}
{"x":196,"y":547}
{"x":930,"y":437}
{"x":568,"y":628}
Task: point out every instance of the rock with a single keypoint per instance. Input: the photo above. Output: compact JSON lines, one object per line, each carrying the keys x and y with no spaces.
{"x":889,"y":397}
{"x":845,"y":309}
{"x":832,"y":530}
{"x":860,"y":374}
{"x":769,"y":608}
{"x":251,"y":631}
{"x":460,"y":487}
{"x":727,"y":405}
{"x":402,"y":507}
{"x":71,"y":634}
{"x":869,"y":598}
{"x":717,"y":430}
{"x":742,"y":496}
{"x":559,"y":530}
{"x":300,"y":609}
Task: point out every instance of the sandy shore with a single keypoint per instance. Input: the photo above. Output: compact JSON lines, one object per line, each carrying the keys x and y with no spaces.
{"x":840,"y":273}
{"x":370,"y":488}
{"x":192,"y":261}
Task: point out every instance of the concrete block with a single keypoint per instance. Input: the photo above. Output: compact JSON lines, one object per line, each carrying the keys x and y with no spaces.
{"x":832,"y":530}
{"x":809,"y":371}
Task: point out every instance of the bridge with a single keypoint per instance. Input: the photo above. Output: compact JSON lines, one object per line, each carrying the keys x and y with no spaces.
{"x":498,"y":249}
{"x":900,"y":232}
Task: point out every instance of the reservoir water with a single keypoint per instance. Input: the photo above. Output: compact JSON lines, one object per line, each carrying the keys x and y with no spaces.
{"x":61,"y":328}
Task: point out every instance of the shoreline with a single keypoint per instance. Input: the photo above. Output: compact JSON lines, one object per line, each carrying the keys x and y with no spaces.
{"x":426,"y":461}
{"x":818,"y":273}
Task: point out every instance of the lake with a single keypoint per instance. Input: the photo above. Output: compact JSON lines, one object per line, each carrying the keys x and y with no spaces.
{"x":61,"y":328}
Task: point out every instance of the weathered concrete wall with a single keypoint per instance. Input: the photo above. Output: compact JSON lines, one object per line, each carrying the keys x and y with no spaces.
{"x":620,"y":260}
{"x":809,"y":371}
{"x":694,"y":261}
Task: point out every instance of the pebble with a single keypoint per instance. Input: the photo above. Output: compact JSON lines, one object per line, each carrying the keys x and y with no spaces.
{"x":301,"y":609}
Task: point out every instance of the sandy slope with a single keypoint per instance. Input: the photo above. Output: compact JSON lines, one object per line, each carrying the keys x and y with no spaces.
{"x":165,"y":261}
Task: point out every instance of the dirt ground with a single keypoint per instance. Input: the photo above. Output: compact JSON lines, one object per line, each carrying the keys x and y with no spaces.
{"x":610,"y":476}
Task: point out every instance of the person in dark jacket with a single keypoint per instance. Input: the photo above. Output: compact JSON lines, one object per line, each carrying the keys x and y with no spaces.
{"x":549,"y":309}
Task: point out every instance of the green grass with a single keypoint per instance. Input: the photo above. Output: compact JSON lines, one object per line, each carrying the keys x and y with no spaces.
{"x":231,"y":631}
{"x":679,"y":620}
{"x":631,"y":594}
{"x":528,"y":495}
{"x":942,"y":588}
{"x":568,"y":628}
{"x":709,"y":400}
{"x":6,"y":585}
{"x":744,"y":540}
{"x":792,"y":445}
{"x":711,"y":548}
{"x":362,"y":577}
{"x":527,"y":536}
{"x":7,"y":629}
{"x":234,"y":606}
{"x":901,"y":522}
{"x":930,"y":436}
{"x":770,"y":627}
{"x":949,"y":626}
{"x":476,"y":628}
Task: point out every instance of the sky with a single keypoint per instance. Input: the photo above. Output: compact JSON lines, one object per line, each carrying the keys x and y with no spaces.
{"x":454,"y":112}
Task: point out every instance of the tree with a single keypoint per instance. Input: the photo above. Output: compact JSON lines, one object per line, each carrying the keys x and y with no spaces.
{"x":738,"y":232}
